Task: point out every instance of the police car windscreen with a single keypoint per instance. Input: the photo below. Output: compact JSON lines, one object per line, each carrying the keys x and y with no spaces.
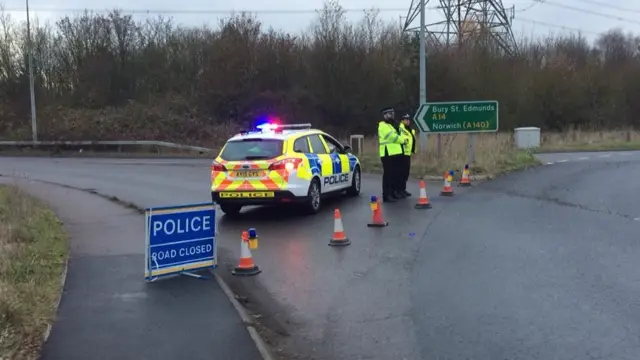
{"x":252,"y":149}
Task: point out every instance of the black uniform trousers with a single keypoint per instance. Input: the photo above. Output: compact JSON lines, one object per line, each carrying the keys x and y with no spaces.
{"x":405,"y":169}
{"x":392,"y":174}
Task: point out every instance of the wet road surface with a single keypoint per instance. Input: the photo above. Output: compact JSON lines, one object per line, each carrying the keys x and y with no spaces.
{"x":535,"y":265}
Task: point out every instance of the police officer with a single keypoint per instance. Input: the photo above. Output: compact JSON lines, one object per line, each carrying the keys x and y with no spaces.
{"x":390,"y":143}
{"x":408,"y":149}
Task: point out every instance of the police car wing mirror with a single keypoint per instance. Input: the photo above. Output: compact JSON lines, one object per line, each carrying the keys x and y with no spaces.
{"x":347,"y":148}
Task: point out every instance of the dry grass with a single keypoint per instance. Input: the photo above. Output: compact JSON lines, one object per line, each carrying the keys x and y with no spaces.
{"x":33,"y":252}
{"x":496,"y":153}
{"x":591,"y":140}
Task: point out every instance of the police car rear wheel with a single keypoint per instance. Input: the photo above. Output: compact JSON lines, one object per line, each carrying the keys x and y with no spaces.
{"x":314,"y":197}
{"x":230,"y":209}
{"x":354,"y":189}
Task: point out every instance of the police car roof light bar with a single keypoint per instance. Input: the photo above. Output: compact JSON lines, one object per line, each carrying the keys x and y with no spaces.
{"x":294,"y":126}
{"x":278,"y":128}
{"x":267,"y":126}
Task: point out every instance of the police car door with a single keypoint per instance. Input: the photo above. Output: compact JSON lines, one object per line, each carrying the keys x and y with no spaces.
{"x":328,"y":182}
{"x":340,"y":161}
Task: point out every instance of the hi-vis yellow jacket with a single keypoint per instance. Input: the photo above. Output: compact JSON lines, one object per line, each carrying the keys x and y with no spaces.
{"x":410,"y":147}
{"x":389,"y":141}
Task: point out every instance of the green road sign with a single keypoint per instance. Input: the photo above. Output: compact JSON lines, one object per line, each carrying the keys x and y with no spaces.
{"x":458,"y":117}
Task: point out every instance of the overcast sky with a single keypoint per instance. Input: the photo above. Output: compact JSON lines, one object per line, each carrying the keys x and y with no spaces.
{"x":530,"y":16}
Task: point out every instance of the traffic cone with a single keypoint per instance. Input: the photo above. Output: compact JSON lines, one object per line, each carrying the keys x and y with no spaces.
{"x":245,"y":267}
{"x":376,"y":209}
{"x":464,"y":180}
{"x":423,"y":200}
{"x":446,"y":189}
{"x":338,"y":238}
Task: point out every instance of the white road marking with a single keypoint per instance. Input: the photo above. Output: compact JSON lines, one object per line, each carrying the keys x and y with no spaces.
{"x":590,"y":158}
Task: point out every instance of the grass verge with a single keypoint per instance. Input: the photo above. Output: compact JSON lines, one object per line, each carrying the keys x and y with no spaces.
{"x":33,"y":253}
{"x":578,"y":140}
{"x":494,"y":154}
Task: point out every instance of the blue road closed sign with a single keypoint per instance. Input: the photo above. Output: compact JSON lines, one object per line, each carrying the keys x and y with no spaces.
{"x":180,"y":239}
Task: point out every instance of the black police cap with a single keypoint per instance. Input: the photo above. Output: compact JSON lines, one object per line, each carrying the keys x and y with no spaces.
{"x":387,"y":110}
{"x":405,"y":117}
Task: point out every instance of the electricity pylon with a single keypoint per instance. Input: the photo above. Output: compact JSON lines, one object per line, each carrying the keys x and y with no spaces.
{"x":467,"y":22}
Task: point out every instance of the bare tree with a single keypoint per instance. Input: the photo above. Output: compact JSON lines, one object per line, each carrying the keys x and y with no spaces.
{"x":108,"y":76}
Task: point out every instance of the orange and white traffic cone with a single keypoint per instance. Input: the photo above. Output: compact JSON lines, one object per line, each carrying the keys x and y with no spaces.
{"x":423,"y":200}
{"x":339,"y":238}
{"x":245,"y":267}
{"x":464,"y":180}
{"x":376,"y":209}
{"x":446,"y":189}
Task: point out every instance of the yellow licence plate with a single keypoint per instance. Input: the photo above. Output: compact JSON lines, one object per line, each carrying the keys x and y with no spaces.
{"x":244,"y":195}
{"x":247,"y":174}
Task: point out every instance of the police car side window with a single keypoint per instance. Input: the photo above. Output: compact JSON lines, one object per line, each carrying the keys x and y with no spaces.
{"x":301,"y":145}
{"x":333,"y":145}
{"x":316,"y":145}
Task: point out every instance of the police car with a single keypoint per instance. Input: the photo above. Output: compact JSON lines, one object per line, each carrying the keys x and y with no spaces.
{"x":280,"y":164}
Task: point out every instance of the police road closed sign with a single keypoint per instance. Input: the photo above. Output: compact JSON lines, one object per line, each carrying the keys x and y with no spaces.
{"x":180,"y":239}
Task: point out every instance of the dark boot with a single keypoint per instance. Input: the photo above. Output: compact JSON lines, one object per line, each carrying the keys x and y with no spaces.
{"x":388,"y":198}
{"x":406,"y":193}
{"x":399,"y":195}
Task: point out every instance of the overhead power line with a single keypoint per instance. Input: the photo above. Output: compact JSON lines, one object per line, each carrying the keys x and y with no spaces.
{"x":610,"y":6}
{"x":208,"y":12}
{"x":587,"y":11}
{"x":276,"y":12}
{"x":542,"y":23}
{"x":534,"y":3}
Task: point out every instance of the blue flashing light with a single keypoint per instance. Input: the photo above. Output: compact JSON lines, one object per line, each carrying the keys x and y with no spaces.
{"x":451,"y":172}
{"x":268,"y":123}
{"x":374,"y":198}
{"x":267,"y":127}
{"x":466,"y":166}
{"x":252,"y":233}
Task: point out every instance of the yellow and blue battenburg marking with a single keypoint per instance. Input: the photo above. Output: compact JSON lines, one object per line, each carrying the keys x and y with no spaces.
{"x":353,"y":160}
{"x":338,"y":165}
{"x":313,"y":163}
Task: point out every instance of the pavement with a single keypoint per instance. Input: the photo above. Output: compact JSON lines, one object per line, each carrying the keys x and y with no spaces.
{"x":108,"y":312}
{"x":539,"y":264}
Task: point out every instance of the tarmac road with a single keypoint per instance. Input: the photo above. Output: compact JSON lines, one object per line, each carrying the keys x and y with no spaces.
{"x":542,"y":264}
{"x":535,"y":265}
